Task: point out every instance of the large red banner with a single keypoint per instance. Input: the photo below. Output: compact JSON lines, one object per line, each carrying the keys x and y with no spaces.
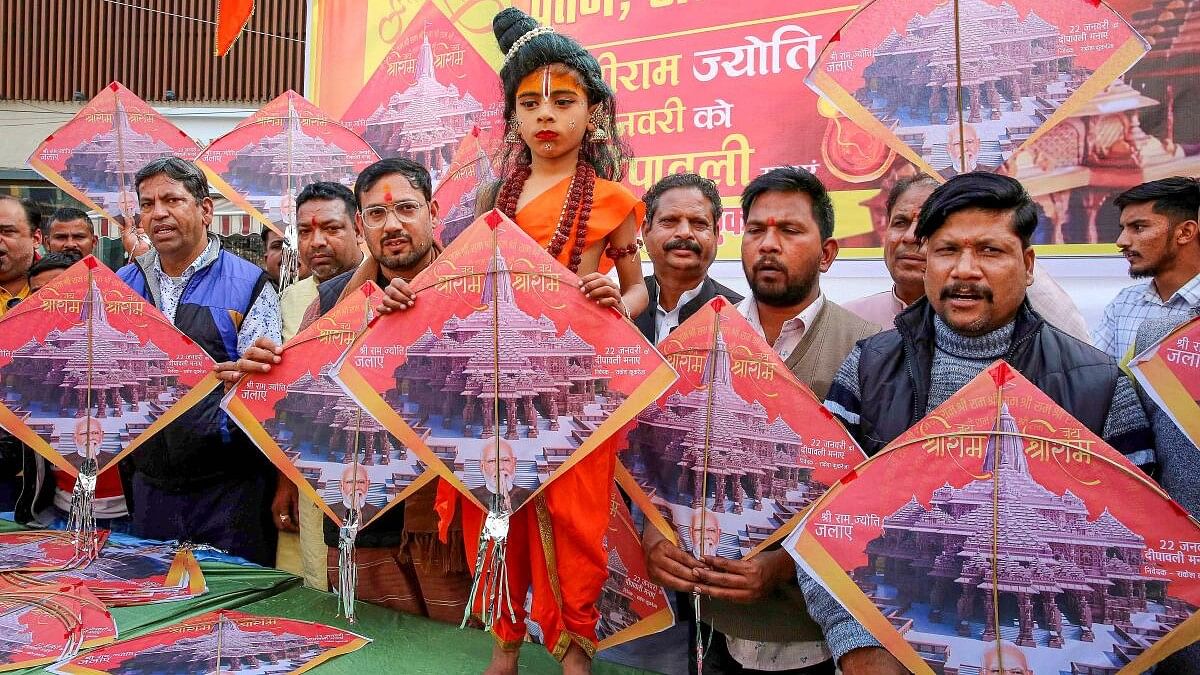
{"x":718,"y":88}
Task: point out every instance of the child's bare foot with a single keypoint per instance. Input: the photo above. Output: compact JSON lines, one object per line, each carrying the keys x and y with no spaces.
{"x":504,"y":661}
{"x":576,"y":661}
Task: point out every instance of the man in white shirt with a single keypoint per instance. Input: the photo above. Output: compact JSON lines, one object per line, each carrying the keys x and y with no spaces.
{"x":683,"y":214}
{"x":1160,"y":238}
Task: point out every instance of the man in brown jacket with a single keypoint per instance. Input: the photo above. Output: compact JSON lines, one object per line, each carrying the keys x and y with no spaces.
{"x":755,"y":608}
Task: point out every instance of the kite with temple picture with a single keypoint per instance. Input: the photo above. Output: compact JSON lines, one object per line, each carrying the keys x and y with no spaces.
{"x":43,"y":624}
{"x":726,"y":461}
{"x":128,"y":572}
{"x":223,"y":641}
{"x":966,"y":85}
{"x":338,"y":454}
{"x":262,"y":164}
{"x":96,"y":155}
{"x":503,"y":377}
{"x":90,"y":371}
{"x":999,"y":534}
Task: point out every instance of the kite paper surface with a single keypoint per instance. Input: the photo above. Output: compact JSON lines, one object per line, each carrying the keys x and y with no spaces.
{"x":95,"y":156}
{"x":630,"y":605}
{"x":502,"y":375}
{"x":427,"y":96}
{"x":220,"y":642}
{"x":902,"y":70}
{"x":44,"y":550}
{"x":129,"y":573}
{"x":729,"y":457}
{"x":469,"y":173}
{"x":88,"y":365}
{"x":1170,"y":373}
{"x":1000,"y":532}
{"x":49,"y":623}
{"x":309,"y":428}
{"x":264,"y":162}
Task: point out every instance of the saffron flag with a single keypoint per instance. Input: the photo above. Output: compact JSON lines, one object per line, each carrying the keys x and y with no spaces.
{"x":91,"y":369}
{"x":337,"y":453}
{"x":968,"y":85}
{"x":95,"y":155}
{"x":1000,"y":535}
{"x":223,"y":641}
{"x":232,"y":17}
{"x":503,"y":375}
{"x":1170,"y":373}
{"x":726,"y":461}
{"x":264,"y":162}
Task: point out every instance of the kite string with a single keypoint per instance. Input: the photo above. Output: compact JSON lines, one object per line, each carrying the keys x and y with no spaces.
{"x":710,"y":375}
{"x":958,"y":93}
{"x":995,"y":469}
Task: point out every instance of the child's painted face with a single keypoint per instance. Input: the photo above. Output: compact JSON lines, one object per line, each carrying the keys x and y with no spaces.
{"x":552,"y":108}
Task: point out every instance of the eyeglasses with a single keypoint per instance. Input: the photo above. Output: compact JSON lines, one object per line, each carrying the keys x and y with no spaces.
{"x":377,"y":216}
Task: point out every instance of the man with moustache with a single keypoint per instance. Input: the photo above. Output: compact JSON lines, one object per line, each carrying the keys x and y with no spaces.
{"x":20,"y":235}
{"x":683,"y":214}
{"x":402,"y":564}
{"x":1160,"y":238}
{"x":354,"y":485}
{"x":976,"y":230}
{"x":755,"y":608}
{"x":498,"y":464}
{"x":905,"y":262}
{"x":70,"y":231}
{"x":329,"y":244}
{"x":200,"y":479}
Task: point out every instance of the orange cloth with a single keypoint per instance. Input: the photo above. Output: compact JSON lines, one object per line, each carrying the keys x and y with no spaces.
{"x":570,"y":528}
{"x":611,"y":205}
{"x":575,"y":506}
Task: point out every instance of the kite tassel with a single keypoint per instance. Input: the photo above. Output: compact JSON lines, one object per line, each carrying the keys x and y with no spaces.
{"x":347,"y":567}
{"x":289,"y":262}
{"x":701,"y":643}
{"x":82,"y":521}
{"x":490,"y":585}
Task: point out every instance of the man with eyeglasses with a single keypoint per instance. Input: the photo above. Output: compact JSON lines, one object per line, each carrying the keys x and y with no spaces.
{"x":200,"y":479}
{"x":402,"y":564}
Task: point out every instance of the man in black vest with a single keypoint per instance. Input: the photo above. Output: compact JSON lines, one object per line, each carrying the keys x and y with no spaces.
{"x":683,"y":215}
{"x":976,"y":231}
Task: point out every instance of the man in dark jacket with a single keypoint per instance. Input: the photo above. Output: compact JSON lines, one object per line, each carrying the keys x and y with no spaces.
{"x":976,"y":230}
{"x":683,"y":218}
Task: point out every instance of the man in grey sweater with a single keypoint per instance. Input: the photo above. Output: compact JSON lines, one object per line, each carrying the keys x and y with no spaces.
{"x":1178,"y":463}
{"x":976,"y":230}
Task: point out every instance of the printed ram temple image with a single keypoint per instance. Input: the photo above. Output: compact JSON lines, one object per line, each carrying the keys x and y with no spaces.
{"x":500,"y":363}
{"x":104,"y":165}
{"x":71,"y":396}
{"x":750,"y":483}
{"x":1052,"y":577}
{"x":320,"y":429}
{"x":228,"y":648}
{"x":1013,"y":78}
{"x":426,"y":121}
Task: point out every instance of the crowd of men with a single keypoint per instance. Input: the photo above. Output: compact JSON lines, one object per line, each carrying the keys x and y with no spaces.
{"x":967,"y":291}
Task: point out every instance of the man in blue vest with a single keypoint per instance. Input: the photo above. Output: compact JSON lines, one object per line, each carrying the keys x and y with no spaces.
{"x":201,"y":479}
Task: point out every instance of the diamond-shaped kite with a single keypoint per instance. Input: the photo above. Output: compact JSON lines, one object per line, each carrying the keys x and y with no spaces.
{"x":962,"y":85}
{"x":95,"y":156}
{"x":1000,"y":534}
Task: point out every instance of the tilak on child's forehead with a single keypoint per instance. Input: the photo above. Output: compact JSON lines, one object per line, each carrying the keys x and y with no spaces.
{"x":546,"y":83}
